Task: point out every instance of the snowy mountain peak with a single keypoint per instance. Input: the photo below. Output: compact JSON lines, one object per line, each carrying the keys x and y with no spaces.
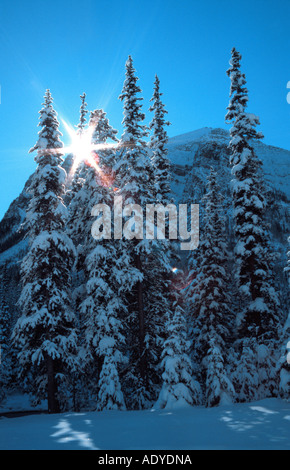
{"x":188,"y":137}
{"x":188,"y":149}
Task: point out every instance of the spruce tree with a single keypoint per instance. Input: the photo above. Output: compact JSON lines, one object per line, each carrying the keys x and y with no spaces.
{"x":102,"y":134}
{"x":137,"y":180}
{"x":158,"y":264}
{"x":80,"y":207}
{"x":83,"y":112}
{"x":179,"y":388}
{"x":102,"y":131}
{"x":134,"y":175}
{"x":77,"y":180}
{"x":94,"y":189}
{"x":104,"y":308}
{"x":211,"y":311}
{"x":45,"y":333}
{"x":97,"y":187}
{"x":158,"y":143}
{"x":107,"y":281}
{"x":258,"y":319}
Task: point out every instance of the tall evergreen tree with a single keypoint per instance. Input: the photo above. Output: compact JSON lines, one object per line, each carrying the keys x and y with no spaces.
{"x":96,"y":186}
{"x":158,"y":264}
{"x":45,"y":333}
{"x":77,"y":180}
{"x":158,"y":143}
{"x":138,"y":181}
{"x":258,"y":319}
{"x":80,"y":207}
{"x":107,"y":281}
{"x":212,"y":315}
{"x":134,"y":179}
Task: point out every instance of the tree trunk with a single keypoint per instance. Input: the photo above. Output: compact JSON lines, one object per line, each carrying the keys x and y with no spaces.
{"x":141,"y":320}
{"x":53,"y":405}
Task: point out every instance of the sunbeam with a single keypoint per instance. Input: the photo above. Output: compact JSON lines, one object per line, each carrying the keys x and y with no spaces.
{"x":84,"y":150}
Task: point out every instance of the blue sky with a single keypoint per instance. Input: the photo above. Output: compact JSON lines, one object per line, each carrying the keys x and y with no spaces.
{"x":74,"y":46}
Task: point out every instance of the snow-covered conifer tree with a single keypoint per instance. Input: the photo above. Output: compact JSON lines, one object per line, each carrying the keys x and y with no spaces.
{"x":179,"y":388}
{"x":83,"y":112}
{"x":158,"y":264}
{"x":102,"y":130}
{"x":103,"y":133}
{"x":212,"y":315}
{"x":74,"y":194}
{"x":134,"y":155}
{"x":284,"y":386}
{"x":104,"y":309}
{"x":80,"y":207}
{"x":134,"y":173}
{"x":137,"y":183}
{"x":45,"y":333}
{"x":259,"y":308}
{"x":107,"y":280}
{"x":80,"y":172}
{"x":97,"y":185}
{"x":158,"y":143}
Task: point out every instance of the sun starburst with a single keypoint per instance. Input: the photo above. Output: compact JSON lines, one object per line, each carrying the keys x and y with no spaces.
{"x":84,"y":150}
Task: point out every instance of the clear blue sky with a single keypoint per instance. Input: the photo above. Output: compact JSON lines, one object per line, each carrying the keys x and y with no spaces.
{"x":74,"y":46}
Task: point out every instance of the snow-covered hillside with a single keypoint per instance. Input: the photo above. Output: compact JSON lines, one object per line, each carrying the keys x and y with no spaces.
{"x":276,"y":161}
{"x":263,"y":425}
{"x":193,"y":154}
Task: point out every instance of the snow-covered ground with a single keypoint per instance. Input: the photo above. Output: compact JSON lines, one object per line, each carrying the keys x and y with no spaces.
{"x":256,"y":426}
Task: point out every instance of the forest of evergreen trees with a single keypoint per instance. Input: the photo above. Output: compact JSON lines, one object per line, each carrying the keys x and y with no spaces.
{"x":102,"y":325}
